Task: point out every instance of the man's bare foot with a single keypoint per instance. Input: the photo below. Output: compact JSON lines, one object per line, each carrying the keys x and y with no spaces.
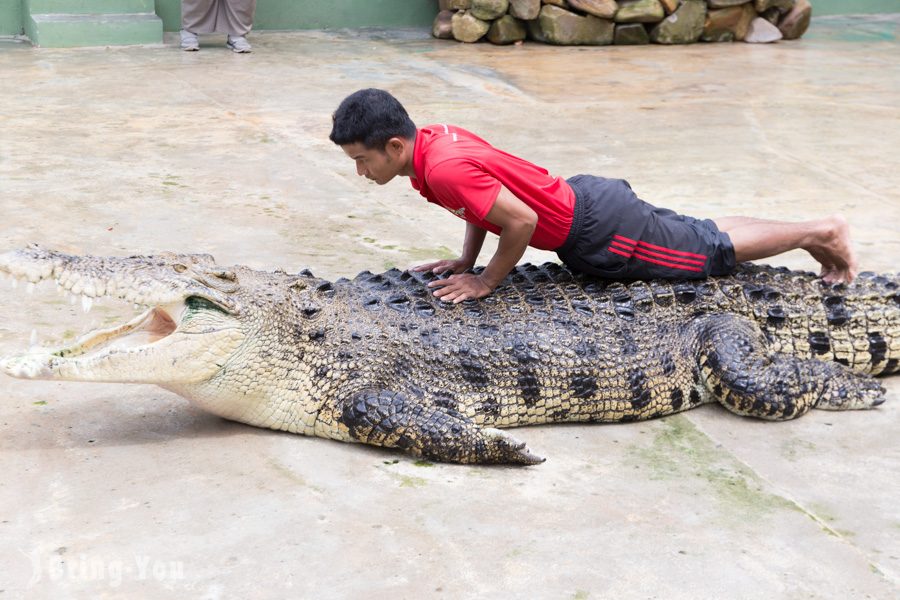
{"x":833,"y":249}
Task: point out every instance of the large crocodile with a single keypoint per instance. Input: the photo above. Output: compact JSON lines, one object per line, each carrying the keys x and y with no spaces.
{"x":379,"y":360}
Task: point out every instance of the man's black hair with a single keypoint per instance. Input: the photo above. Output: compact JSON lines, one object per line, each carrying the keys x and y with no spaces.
{"x":370,"y":116}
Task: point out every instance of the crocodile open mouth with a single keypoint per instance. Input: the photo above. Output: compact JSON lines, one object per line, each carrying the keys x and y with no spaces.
{"x":165,"y":304}
{"x":187,"y":330}
{"x":173,"y":342}
{"x":147,"y":328}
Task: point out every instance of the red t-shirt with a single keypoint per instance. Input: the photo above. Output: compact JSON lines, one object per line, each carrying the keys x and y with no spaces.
{"x":460,"y":171}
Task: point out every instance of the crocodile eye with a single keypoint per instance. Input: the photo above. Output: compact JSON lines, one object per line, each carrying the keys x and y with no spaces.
{"x":179,"y":268}
{"x":197,"y":304}
{"x":226,"y":275}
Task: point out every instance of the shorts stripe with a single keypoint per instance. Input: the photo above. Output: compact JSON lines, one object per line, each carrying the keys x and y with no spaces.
{"x":621,"y":246}
{"x":617,"y":251}
{"x":666,"y":257}
{"x":669,"y":251}
{"x":690,"y":261}
{"x":668,"y":264}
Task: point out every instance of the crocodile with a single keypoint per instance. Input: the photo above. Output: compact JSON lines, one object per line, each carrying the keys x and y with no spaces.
{"x":379,"y":360}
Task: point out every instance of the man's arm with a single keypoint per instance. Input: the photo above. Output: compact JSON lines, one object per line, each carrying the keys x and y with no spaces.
{"x":517,"y":222}
{"x":472,"y":245}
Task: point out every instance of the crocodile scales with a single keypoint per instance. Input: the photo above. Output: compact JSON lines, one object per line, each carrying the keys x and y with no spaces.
{"x":379,"y":360}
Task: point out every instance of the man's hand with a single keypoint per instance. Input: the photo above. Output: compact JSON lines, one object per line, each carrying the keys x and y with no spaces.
{"x":457,"y":265}
{"x":457,"y":288}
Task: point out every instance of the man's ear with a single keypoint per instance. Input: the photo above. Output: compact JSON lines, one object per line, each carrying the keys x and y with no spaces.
{"x":395,"y":146}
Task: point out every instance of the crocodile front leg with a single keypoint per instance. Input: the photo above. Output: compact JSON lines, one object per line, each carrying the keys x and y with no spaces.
{"x":395,"y":420}
{"x":744,"y":375}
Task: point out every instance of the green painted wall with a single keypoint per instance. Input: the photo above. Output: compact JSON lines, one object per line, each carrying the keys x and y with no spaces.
{"x":284,"y":14}
{"x":11,"y":22}
{"x":323,"y":14}
{"x":851,"y":7}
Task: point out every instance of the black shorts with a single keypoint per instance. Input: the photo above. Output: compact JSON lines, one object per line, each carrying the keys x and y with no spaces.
{"x":617,"y":235}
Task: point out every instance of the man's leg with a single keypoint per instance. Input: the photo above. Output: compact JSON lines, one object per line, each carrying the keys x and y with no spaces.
{"x":827,"y":240}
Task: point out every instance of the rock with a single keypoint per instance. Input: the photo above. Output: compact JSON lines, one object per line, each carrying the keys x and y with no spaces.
{"x":722,"y":36}
{"x":630,"y":34}
{"x":720,"y":23}
{"x":453,"y":4}
{"x":726,"y":3}
{"x":487,"y":10}
{"x":728,"y":24}
{"x":525,"y":9}
{"x":684,"y":26}
{"x":795,"y":23}
{"x":442,"y":28}
{"x":559,"y":26}
{"x":670,"y":5}
{"x":762,"y":6}
{"x":506,"y":30}
{"x":772,"y":15}
{"x":559,"y":3}
{"x":468,"y":28}
{"x":640,"y":11}
{"x":535,"y":33}
{"x":762,"y":32}
{"x":605,"y":9}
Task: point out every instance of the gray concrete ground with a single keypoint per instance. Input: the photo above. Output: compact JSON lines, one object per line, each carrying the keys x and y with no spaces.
{"x":114,"y":491}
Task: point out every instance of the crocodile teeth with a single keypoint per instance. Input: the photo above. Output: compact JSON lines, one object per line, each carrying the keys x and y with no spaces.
{"x":15,"y":282}
{"x":72,"y":300}
{"x":30,"y":287}
{"x":33,"y":337}
{"x":86,"y":303}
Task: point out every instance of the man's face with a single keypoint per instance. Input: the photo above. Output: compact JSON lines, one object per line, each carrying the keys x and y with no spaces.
{"x":378,"y":165}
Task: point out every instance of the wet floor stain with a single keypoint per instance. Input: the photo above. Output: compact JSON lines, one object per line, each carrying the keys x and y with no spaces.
{"x":680,"y":451}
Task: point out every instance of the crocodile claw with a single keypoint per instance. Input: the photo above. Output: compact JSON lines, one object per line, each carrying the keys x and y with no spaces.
{"x":504,"y":448}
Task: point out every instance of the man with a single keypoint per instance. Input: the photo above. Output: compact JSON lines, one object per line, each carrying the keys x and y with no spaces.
{"x":596,"y":225}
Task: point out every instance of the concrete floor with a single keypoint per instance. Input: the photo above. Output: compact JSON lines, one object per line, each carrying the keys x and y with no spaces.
{"x":114,"y":491}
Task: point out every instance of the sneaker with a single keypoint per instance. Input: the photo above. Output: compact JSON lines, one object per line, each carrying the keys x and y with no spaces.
{"x":239,"y":43}
{"x":189,"y":41}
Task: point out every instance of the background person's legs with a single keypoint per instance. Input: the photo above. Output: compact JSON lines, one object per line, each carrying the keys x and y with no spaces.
{"x":234,"y":17}
{"x":827,"y":240}
{"x":198,"y":16}
{"x":237,"y":16}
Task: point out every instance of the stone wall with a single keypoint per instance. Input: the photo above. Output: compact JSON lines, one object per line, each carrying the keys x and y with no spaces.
{"x":621,"y":22}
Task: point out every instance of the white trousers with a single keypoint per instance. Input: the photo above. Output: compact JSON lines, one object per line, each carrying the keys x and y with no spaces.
{"x":234,"y":17}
